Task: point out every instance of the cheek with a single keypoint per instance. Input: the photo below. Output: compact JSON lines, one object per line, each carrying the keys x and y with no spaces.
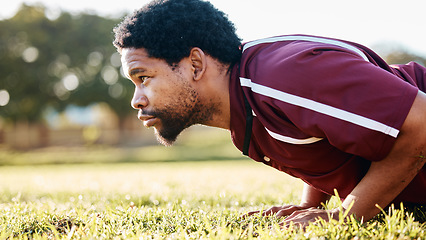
{"x":192,"y":98}
{"x":173,"y":91}
{"x":161,"y":96}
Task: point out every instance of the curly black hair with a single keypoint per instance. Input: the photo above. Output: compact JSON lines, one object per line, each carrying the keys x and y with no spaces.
{"x":169,"y":29}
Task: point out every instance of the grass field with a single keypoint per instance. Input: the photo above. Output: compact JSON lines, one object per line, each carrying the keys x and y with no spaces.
{"x":126,"y":195}
{"x":189,"y":200}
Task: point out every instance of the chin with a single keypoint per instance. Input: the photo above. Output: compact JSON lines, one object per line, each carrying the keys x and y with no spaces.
{"x":165,"y":140}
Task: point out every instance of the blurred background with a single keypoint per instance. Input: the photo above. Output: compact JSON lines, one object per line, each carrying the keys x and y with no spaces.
{"x":61,"y":84}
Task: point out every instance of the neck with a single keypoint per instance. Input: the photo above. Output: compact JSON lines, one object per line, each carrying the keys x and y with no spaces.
{"x":216,"y":90}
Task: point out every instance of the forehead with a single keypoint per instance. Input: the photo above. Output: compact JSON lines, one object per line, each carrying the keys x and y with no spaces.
{"x":138,"y":58}
{"x":130,"y":55}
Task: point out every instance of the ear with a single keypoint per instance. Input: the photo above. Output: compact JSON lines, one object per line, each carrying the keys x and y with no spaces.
{"x":199,"y":62}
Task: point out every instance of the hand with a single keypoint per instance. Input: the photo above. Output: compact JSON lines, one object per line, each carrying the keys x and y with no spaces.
{"x":302,"y":218}
{"x":281,"y":211}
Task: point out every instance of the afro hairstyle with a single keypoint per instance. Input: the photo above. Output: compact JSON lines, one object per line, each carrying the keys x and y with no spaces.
{"x":169,"y":29}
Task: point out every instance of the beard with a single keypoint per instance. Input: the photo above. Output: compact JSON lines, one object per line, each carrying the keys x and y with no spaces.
{"x":172,"y":124}
{"x":186,"y":110}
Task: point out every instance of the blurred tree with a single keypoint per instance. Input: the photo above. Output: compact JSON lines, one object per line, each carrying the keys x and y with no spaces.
{"x":52,"y":63}
{"x":24,"y":53}
{"x":401,"y":56}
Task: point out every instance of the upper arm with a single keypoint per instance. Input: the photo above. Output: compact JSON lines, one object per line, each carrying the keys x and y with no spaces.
{"x":411,"y":141}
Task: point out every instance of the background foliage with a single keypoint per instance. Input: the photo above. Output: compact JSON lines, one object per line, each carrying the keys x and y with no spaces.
{"x":149,"y":192}
{"x":51,"y":63}
{"x":48,"y":63}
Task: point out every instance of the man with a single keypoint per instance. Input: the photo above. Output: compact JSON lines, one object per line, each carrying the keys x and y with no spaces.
{"x":329,"y":112}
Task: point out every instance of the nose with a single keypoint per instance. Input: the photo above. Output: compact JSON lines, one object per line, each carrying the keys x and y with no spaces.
{"x":139,"y":100}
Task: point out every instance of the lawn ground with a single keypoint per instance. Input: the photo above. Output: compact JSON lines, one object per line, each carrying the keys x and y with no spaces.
{"x":165,"y":200}
{"x":195,"y":190}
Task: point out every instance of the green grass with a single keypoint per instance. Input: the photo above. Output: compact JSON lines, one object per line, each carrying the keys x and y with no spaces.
{"x":187,"y":200}
{"x":153,"y":192}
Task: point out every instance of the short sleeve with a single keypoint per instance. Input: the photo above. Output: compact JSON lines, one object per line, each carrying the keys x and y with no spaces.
{"x":336,"y":95}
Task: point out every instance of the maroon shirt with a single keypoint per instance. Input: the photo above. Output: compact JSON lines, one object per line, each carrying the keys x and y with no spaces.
{"x":323,"y":109}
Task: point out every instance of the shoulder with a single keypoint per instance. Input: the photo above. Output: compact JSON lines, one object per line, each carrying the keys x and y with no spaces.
{"x":291,"y":44}
{"x":269,"y":58}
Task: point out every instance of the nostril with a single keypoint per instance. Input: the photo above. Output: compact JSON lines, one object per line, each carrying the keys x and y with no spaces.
{"x":135,"y":105}
{"x":139,"y":103}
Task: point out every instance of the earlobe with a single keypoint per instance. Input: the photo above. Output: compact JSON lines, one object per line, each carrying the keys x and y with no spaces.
{"x":198,"y":61}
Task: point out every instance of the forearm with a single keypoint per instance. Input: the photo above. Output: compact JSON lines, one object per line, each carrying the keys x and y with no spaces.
{"x":387,"y":178}
{"x":380,"y":186}
{"x":312,"y":197}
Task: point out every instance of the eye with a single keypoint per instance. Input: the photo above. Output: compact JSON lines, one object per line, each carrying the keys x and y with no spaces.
{"x":143,"y":79}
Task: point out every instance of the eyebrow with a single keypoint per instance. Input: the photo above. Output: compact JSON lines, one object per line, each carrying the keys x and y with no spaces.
{"x":136,"y":71}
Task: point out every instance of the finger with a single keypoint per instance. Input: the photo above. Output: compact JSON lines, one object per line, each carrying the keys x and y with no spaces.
{"x":271,"y":211}
{"x":304,"y":217}
{"x":288,"y":210}
{"x":296,"y":216}
{"x":304,"y":212}
{"x":268,"y":212}
{"x":281,"y":211}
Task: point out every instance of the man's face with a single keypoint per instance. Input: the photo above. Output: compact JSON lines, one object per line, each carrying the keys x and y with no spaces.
{"x":164,"y":95}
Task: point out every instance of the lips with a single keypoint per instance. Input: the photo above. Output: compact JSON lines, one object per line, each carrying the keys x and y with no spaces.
{"x":148,"y":120}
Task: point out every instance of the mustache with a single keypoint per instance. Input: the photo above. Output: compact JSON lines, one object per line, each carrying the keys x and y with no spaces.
{"x":153,"y":113}
{"x":148,"y":112}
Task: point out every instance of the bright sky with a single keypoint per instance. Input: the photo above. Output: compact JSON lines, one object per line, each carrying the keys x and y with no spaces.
{"x":374,"y":23}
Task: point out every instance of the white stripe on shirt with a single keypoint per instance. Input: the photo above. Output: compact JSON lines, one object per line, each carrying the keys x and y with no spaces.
{"x":289,"y":139}
{"x":320,"y":107}
{"x":292,"y":140}
{"x":309,"y":39}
